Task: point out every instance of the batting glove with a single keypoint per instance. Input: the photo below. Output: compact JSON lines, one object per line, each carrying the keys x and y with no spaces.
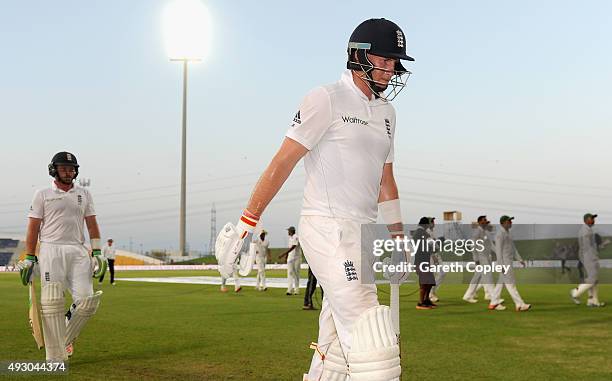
{"x":232,"y":241}
{"x":100,"y":266}
{"x":26,"y":268}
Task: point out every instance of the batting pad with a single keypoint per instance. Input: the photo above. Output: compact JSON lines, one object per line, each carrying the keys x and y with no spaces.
{"x":54,"y":326}
{"x":225,"y":249}
{"x":334,"y":364}
{"x":375,"y":353}
{"x":86,"y":309}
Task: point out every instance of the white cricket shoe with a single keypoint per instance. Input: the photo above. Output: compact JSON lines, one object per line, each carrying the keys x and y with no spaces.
{"x":573,"y":295}
{"x":433,"y":297}
{"x":523,"y":308}
{"x":497,"y":307}
{"x":470,"y":300}
{"x":596,"y":304}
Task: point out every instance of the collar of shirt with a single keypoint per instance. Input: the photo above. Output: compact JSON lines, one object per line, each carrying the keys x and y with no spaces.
{"x":58,"y":190}
{"x":347,"y":80}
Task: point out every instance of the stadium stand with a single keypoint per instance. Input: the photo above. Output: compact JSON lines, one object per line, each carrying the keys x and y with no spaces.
{"x":5,"y":258}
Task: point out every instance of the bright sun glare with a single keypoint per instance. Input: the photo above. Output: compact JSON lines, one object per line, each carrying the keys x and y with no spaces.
{"x":186,"y":26}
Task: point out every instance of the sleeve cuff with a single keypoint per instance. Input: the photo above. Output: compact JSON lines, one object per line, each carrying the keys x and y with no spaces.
{"x":300,"y":139}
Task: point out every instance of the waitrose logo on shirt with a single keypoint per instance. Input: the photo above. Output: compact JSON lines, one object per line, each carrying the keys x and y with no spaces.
{"x":354,"y":119}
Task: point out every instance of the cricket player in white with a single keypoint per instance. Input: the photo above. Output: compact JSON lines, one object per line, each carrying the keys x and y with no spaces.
{"x":587,"y":252}
{"x":345,"y":132}
{"x":57,"y":216}
{"x":436,"y":259}
{"x":483,"y":257}
{"x":506,"y":253}
{"x":294,"y":261}
{"x":260,"y":260}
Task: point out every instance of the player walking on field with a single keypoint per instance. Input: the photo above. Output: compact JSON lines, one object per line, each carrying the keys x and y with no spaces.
{"x":436,"y":259}
{"x":345,"y":132}
{"x":483,"y":234}
{"x":56,"y":219}
{"x":506,"y":252}
{"x":294,"y":261}
{"x":587,"y":252}
{"x":261,"y":259}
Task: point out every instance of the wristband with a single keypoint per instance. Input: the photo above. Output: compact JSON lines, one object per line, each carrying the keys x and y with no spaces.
{"x":390,"y":211}
{"x":95,"y":244}
{"x":248,"y":222}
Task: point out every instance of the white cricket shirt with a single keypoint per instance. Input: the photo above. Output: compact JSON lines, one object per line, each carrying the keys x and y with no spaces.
{"x":587,"y":247}
{"x":62,"y":214}
{"x":505,"y":250}
{"x":262,"y":247}
{"x":295,"y":253}
{"x":108,"y":252}
{"x":349,"y":138}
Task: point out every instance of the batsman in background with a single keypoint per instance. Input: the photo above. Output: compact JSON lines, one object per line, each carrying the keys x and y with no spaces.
{"x":345,"y":132}
{"x":56,"y":219}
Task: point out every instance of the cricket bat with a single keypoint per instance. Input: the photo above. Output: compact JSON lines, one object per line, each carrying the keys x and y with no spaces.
{"x":34,"y":318}
{"x":395,"y":306}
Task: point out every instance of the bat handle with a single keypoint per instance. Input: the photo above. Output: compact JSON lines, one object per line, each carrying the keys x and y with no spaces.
{"x":394,"y":305}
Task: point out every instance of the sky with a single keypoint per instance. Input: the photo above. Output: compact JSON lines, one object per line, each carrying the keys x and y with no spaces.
{"x":507,"y":110}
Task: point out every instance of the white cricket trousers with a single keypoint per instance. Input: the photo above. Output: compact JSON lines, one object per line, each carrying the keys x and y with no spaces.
{"x":293,"y":275}
{"x":236,"y":277}
{"x":70,"y":265}
{"x":591,"y":267}
{"x":509,"y":281}
{"x":486,"y":281}
{"x":332,"y":248}
{"x":261,"y":274}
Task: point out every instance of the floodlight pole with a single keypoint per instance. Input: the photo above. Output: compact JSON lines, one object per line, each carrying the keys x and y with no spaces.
{"x":182,"y":218}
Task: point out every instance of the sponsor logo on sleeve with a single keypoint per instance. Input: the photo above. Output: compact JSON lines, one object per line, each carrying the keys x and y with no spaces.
{"x":297,"y":119}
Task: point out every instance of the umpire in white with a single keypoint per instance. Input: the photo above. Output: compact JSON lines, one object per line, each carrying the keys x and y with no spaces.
{"x":109,"y":253}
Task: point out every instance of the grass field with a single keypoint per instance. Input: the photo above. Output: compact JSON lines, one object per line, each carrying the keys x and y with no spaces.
{"x":194,"y":332}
